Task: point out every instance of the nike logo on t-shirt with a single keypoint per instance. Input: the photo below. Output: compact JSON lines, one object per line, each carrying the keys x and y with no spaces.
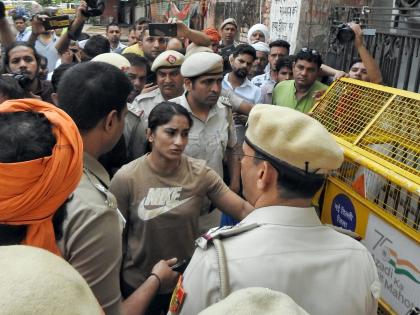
{"x":165,"y":197}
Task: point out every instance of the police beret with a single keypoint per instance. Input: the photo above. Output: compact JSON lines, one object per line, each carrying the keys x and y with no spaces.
{"x":35,"y":281}
{"x":193,"y":49}
{"x":169,"y":58}
{"x":293,"y":137}
{"x":113,"y":59}
{"x":228,"y":21}
{"x":202,"y":63}
{"x":253,"y":301}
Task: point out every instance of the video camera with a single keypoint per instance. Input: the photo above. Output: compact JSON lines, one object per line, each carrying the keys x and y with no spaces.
{"x":345,"y":34}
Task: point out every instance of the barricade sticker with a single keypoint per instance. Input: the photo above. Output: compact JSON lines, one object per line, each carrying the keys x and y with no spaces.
{"x":397,"y":260}
{"x":343,"y":213}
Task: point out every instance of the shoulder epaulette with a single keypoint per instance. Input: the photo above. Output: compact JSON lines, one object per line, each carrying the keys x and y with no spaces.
{"x":223,"y":232}
{"x":132,"y":108}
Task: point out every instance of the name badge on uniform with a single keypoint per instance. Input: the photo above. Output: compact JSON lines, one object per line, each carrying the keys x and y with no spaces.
{"x":178,"y":297}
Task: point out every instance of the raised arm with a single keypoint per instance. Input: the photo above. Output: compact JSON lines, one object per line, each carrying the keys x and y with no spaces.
{"x":74,"y":29}
{"x":6,"y":34}
{"x":197,"y":37}
{"x":372,"y":68}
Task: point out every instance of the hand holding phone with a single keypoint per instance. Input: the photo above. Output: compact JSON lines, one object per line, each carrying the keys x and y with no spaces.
{"x":181,"y":266}
{"x":163,"y":29}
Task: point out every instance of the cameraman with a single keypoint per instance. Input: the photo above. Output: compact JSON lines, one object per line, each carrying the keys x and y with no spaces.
{"x":21,"y":60}
{"x":366,"y":68}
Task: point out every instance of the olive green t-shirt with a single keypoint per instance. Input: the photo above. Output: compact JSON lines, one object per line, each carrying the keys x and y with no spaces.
{"x":284,"y":94}
{"x":162,"y":212}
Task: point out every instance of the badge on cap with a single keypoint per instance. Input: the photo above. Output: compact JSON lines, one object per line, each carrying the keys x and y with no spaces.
{"x":171,"y":59}
{"x":178,"y":297}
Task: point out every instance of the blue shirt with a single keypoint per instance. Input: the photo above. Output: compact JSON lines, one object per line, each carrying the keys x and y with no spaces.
{"x":49,"y":51}
{"x":24,"y":36}
{"x":246,"y":90}
{"x":263,"y":79}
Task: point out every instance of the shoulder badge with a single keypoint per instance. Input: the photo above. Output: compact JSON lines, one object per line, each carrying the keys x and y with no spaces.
{"x":225,"y":101}
{"x":132,"y":108}
{"x":223,"y":232}
{"x":177,"y":298}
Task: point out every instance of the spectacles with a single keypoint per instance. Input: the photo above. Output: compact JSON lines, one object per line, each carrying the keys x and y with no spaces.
{"x":311,"y":51}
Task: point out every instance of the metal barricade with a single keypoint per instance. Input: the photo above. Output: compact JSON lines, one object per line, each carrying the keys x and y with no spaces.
{"x":376,"y":192}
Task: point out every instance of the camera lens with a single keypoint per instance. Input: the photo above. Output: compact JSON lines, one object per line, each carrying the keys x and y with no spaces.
{"x":345,"y":34}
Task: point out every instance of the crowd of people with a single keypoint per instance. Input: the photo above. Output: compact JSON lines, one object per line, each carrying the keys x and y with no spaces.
{"x":118,"y":156}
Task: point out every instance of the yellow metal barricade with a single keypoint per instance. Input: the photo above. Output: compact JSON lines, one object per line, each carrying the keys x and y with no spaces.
{"x":376,"y":192}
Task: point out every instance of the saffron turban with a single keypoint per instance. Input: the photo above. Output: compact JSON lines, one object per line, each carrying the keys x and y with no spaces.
{"x":32,"y":191}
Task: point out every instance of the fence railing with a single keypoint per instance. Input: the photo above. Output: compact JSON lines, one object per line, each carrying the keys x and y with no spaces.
{"x":395,"y":46}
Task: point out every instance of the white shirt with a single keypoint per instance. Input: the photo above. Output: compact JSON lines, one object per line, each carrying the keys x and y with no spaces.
{"x":246,"y":90}
{"x":23,"y":36}
{"x":263,"y":79}
{"x":119,"y":48}
{"x":323,"y":271}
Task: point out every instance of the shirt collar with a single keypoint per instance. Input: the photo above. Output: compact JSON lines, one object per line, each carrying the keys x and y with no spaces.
{"x":244,"y":84}
{"x":96,"y":168}
{"x":282,"y":215}
{"x":184,"y":102}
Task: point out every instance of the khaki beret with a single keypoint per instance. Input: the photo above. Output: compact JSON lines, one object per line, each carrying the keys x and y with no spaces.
{"x":202,"y":63}
{"x":169,"y":58}
{"x":293,"y":137}
{"x":35,"y":281}
{"x":255,"y":301}
{"x":228,"y":21}
{"x":113,"y":59}
{"x":193,"y":49}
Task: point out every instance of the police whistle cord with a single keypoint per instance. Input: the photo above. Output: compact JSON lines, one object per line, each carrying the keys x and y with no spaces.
{"x":223,"y":271}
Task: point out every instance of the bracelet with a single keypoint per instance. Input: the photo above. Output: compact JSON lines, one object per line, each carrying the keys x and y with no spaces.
{"x":158,"y":279}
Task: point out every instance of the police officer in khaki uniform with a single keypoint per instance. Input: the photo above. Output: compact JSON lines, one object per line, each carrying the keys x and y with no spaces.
{"x":170,"y":84}
{"x":282,"y":244}
{"x":92,"y":230}
{"x":212,"y":136}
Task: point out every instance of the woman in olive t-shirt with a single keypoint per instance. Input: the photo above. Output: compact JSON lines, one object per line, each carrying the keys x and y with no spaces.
{"x":161,"y":195}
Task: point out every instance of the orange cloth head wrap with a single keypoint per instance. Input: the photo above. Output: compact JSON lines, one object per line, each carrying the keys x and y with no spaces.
{"x":213,"y":34}
{"x":32,"y":191}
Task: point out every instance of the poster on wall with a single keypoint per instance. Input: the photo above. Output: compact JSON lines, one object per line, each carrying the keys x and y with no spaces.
{"x":162,"y":10}
{"x":397,"y":259}
{"x":284,"y":21}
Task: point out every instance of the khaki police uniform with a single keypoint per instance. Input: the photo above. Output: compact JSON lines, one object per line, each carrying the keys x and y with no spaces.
{"x":290,"y":251}
{"x":285,"y":248}
{"x":92,"y":235}
{"x":136,"y":122}
{"x":208,"y":140}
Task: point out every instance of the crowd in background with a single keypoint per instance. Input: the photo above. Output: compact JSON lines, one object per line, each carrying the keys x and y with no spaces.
{"x":142,"y":147}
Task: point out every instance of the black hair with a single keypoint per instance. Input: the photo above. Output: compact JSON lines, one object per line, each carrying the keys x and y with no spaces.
{"x":245,"y":49}
{"x":26,"y":136}
{"x":18,"y":17}
{"x":111,"y":24}
{"x":292,"y":183}
{"x":43,"y":58}
{"x":309,"y":55}
{"x":280,"y":43}
{"x":356,"y":60}
{"x":6,"y":57}
{"x":89,"y":91}
{"x":10,"y":88}
{"x":285,"y":62}
{"x":141,"y":21}
{"x":163,"y":113}
{"x":96,"y":45}
{"x":135,"y":60}
{"x":58,"y":74}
